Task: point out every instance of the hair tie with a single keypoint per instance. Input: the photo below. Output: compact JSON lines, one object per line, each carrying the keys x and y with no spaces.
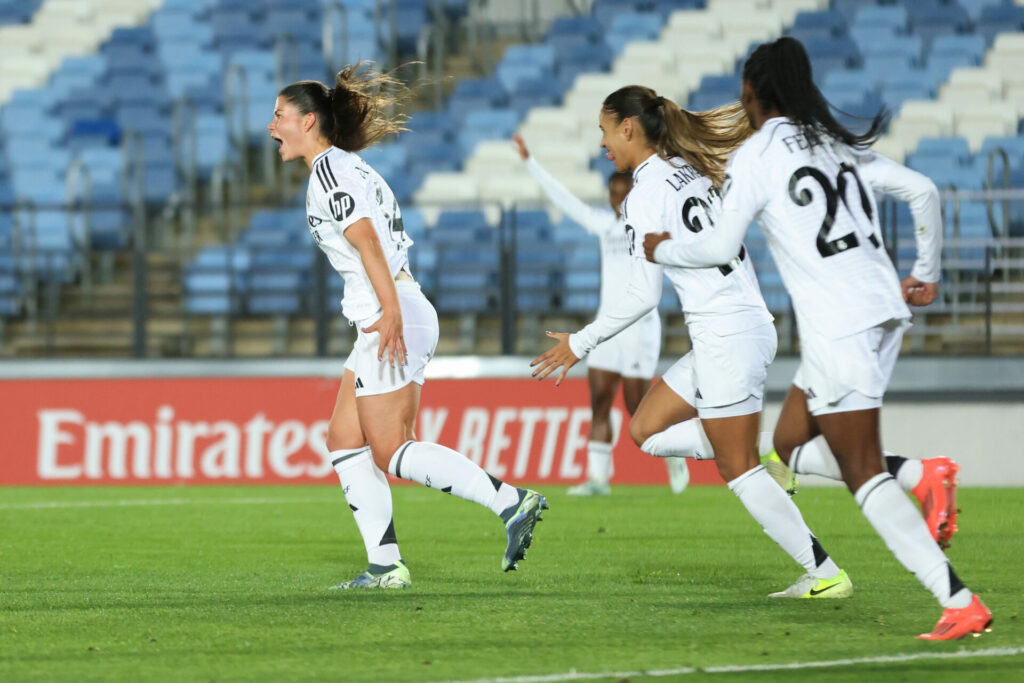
{"x":659,"y":101}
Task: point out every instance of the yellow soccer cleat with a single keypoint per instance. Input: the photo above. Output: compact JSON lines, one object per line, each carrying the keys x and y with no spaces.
{"x":807,"y":586}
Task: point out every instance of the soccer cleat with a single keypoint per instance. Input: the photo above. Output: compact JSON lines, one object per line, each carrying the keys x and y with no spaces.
{"x":678,"y":474}
{"x":780,"y":471}
{"x":519,"y":526}
{"x":807,"y":586}
{"x":936,"y":493}
{"x":954,"y":624}
{"x":378,"y":576}
{"x":590,"y":488}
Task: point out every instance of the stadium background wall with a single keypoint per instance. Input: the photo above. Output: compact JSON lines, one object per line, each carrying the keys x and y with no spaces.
{"x":263,"y":422}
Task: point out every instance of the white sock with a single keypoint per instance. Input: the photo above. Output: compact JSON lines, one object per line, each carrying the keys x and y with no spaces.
{"x":815,"y":457}
{"x":765,"y":443}
{"x":682,"y":440}
{"x":781,"y":520}
{"x":438,"y":467}
{"x":599,"y":461}
{"x":369,"y":497}
{"x":908,"y":473}
{"x":900,"y":525}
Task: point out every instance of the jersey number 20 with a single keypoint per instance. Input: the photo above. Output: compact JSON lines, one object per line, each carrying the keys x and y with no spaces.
{"x":833,"y":195}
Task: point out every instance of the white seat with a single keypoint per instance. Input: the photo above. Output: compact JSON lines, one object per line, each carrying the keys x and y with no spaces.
{"x":921,"y":118}
{"x":760,"y":24}
{"x":891,"y":146}
{"x":977,"y":121}
{"x":447,"y":188}
{"x":733,"y":7}
{"x":648,"y":52}
{"x":587,"y":185}
{"x":510,"y":188}
{"x":572,"y":152}
{"x":972,"y":84}
{"x":554,"y":119}
{"x":689,"y":24}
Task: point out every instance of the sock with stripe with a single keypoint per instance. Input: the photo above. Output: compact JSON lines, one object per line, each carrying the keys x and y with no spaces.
{"x":368,"y":495}
{"x":906,"y":535}
{"x":599,"y":461}
{"x":687,"y":440}
{"x":780,"y":518}
{"x":439,"y":467}
{"x":815,"y":457}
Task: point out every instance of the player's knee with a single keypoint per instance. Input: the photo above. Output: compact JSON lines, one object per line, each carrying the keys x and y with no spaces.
{"x":340,"y":439}
{"x":783,"y":445}
{"x":638,"y":430}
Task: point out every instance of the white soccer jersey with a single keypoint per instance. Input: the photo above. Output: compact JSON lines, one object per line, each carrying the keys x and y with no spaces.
{"x":343,"y":189}
{"x":816,"y":207}
{"x":609,"y":229}
{"x":672,"y":196}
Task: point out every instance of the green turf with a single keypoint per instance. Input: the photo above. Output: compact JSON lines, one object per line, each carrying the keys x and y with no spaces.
{"x":640,"y":580}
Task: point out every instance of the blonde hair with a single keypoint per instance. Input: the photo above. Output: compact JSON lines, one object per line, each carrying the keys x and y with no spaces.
{"x":354,"y":114}
{"x":703,"y":139}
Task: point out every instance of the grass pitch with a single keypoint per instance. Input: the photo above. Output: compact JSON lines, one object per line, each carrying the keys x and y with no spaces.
{"x":230,"y":584}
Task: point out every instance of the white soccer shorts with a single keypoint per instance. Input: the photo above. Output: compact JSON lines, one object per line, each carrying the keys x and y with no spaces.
{"x":420,"y":330}
{"x":724,"y":375}
{"x":633,"y":352}
{"x":849,"y":373}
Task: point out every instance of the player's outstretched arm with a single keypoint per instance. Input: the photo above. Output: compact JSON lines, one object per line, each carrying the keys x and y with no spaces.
{"x":572,"y":206}
{"x":363,"y":237}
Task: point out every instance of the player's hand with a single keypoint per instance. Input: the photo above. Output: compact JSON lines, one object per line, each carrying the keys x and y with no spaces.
{"x":917,"y":293}
{"x":520,"y":145}
{"x":392,"y":340}
{"x":559,"y":356}
{"x":651,"y":242}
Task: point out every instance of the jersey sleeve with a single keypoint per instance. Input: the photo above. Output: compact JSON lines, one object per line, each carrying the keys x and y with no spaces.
{"x":889,"y":177}
{"x":590,"y":219}
{"x":640,"y":295}
{"x":744,"y":196}
{"x":642,"y":213}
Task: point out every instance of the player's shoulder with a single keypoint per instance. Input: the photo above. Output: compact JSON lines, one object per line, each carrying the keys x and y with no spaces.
{"x":336,"y":170}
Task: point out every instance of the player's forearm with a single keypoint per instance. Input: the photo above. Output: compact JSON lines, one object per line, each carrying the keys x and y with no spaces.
{"x":716,"y":247}
{"x":381,"y":279}
{"x":925,"y":209}
{"x":640,"y":297}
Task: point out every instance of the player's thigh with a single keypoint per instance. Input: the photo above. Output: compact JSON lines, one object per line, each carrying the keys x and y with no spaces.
{"x":344,"y":430}
{"x":660,"y":408}
{"x":796,"y":425}
{"x":389,"y":420}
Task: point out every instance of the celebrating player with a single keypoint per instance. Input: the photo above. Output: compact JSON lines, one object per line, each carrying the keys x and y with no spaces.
{"x":629,"y":358}
{"x":677,"y":158}
{"x":809,"y":181}
{"x":357,"y":223}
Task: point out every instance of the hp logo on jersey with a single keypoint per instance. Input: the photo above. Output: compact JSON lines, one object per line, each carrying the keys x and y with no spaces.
{"x":342,"y":205}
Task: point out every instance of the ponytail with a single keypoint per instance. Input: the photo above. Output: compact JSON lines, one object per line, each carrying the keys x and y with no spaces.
{"x":779,"y":73}
{"x":703,"y":139}
{"x":353,"y":115}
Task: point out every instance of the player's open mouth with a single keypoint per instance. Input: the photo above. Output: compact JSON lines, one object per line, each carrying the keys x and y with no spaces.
{"x":609,"y":156}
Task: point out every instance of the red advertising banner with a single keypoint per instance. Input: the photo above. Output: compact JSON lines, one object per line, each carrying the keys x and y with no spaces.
{"x":271,"y":430}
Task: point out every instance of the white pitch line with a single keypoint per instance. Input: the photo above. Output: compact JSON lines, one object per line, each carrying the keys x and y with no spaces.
{"x":686,"y":670}
{"x":53,"y":505}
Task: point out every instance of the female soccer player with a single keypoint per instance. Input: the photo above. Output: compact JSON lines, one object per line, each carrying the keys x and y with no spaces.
{"x":355,"y":219}
{"x":629,"y":358}
{"x":677,"y":158}
{"x":809,"y":181}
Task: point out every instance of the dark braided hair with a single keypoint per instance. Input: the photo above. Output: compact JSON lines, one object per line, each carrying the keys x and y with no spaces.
{"x":780,"y":75}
